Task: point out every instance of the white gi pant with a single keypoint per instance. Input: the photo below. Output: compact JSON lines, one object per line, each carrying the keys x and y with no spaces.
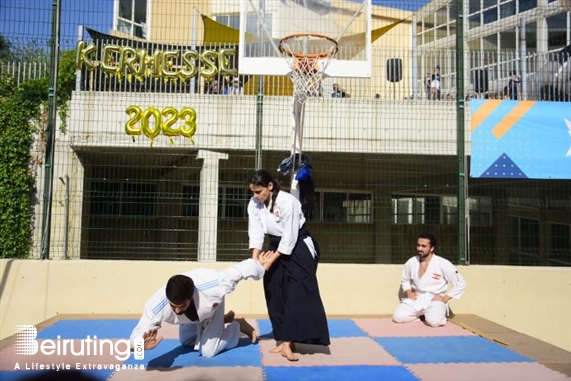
{"x":210,"y":336}
{"x":214,"y":337}
{"x":410,"y":310}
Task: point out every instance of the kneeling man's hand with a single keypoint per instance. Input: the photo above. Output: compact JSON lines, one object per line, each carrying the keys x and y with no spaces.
{"x":151,"y":338}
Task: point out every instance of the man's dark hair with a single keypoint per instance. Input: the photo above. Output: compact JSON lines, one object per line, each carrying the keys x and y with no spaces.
{"x":428,"y":236}
{"x":179,"y":289}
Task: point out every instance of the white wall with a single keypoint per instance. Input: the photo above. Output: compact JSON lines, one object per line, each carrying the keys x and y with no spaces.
{"x":331,"y":125}
{"x":527,"y":300}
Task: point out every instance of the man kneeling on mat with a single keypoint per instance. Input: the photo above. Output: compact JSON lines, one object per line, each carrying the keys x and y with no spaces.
{"x":429,"y":282}
{"x":195,"y":302}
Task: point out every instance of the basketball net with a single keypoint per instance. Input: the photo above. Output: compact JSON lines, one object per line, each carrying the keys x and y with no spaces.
{"x":307,"y":55}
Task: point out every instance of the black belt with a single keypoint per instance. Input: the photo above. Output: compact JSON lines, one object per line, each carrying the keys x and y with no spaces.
{"x":275,"y":240}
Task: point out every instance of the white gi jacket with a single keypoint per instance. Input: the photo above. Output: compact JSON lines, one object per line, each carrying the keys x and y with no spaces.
{"x":211,"y":286}
{"x":438,"y":276}
{"x":285,"y":222}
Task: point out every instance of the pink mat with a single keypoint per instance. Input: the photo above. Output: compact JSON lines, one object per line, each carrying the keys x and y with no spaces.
{"x":387,"y":328}
{"x":9,"y":358}
{"x":170,"y":331}
{"x":190,"y":374}
{"x":486,"y":372}
{"x":342,"y":351}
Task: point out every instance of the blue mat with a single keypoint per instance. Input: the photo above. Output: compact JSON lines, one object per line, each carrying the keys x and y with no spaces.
{"x":337,"y":328}
{"x":451,"y":349}
{"x":339,"y":373}
{"x":171,"y":354}
{"x":80,"y":329}
{"x":100,"y":375}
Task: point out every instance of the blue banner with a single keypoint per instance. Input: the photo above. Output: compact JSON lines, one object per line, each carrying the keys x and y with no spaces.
{"x":520,"y":139}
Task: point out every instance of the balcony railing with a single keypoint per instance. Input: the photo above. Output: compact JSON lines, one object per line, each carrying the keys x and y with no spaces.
{"x":397,"y":75}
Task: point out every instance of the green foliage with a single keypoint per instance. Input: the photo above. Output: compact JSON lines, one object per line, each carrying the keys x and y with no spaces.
{"x":66,"y":84}
{"x":33,"y":51}
{"x":5,"y":52}
{"x":20,"y":113}
{"x":17,"y":111}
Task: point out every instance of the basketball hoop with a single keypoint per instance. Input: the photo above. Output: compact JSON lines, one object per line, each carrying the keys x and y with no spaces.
{"x":308,"y":55}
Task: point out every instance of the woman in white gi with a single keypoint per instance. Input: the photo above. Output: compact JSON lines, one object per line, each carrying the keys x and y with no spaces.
{"x":425,"y":279}
{"x":195,"y":301}
{"x":290,"y":284}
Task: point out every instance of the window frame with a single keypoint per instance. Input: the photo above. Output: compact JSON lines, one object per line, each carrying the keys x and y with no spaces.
{"x":445,"y":217}
{"x":120,"y":21}
{"x":122,"y":203}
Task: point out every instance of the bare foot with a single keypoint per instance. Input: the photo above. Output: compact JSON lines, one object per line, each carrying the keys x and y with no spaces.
{"x":277,"y":349}
{"x":229,"y":317}
{"x":287,"y":351}
{"x":247,"y":329}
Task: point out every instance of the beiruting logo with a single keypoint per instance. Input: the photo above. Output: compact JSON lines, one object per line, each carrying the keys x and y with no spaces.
{"x":26,"y":344}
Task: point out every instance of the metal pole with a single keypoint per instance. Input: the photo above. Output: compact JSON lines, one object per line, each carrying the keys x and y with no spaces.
{"x":50,"y":132}
{"x":66,"y":233}
{"x":460,"y":142}
{"x":523,"y":59}
{"x":193,"y":46}
{"x":415,"y":91}
{"x":260,"y":94}
{"x":78,"y":75}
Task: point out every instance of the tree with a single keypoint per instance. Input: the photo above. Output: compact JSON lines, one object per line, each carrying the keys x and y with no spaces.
{"x":5,"y":49}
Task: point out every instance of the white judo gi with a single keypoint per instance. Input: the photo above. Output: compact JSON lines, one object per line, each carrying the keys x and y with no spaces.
{"x":439,"y":275}
{"x":208,"y":335}
{"x":285,"y":222}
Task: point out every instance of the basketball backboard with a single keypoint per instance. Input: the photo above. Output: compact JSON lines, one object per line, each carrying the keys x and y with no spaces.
{"x":263,"y":23}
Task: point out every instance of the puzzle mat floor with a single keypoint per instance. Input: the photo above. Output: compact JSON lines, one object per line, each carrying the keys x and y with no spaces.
{"x":362,"y":348}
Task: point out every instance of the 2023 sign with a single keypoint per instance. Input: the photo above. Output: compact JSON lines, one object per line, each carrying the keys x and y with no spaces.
{"x":164,"y":121}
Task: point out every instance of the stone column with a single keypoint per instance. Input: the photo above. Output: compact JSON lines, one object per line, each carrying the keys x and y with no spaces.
{"x":208,"y":204}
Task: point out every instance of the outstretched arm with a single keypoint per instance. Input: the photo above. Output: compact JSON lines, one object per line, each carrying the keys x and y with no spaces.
{"x":147,"y":328}
{"x":249,"y":268}
{"x":267,"y":258}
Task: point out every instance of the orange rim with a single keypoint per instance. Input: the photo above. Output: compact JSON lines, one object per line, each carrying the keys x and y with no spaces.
{"x":297,"y":55}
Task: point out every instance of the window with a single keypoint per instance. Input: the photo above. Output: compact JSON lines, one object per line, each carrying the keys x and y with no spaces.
{"x":346,"y":207}
{"x":252,"y":23}
{"x":526,"y":202}
{"x":105,"y":198}
{"x":138,"y":199}
{"x":474,"y":6}
{"x":190,"y":199}
{"x":441,"y":16}
{"x":559,"y":244}
{"x":133,"y":17}
{"x":122,"y":199}
{"x":474,"y":21}
{"x":233,"y":21}
{"x":491,"y":15}
{"x":439,"y":210}
{"x":408,"y":210}
{"x":525,"y":241}
{"x":507,"y":9}
{"x":559,"y":203}
{"x":480,"y":211}
{"x":526,"y":5}
{"x":557,"y":31}
{"x":232,"y":201}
